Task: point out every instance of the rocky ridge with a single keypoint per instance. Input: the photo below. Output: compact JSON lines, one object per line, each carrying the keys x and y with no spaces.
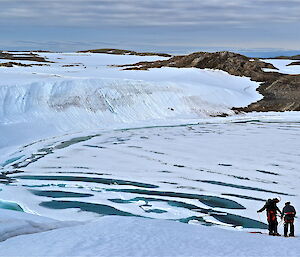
{"x":22,"y":57}
{"x":12,"y":64}
{"x":123,"y":52}
{"x":294,"y":57}
{"x":294,"y":63}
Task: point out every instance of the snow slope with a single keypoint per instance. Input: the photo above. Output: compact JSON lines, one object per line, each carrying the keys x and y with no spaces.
{"x":124,"y":236}
{"x":14,"y":223}
{"x":210,"y":173}
{"x":282,"y":66}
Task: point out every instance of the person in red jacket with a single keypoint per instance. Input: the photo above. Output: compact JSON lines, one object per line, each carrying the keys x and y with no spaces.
{"x":288,"y":213}
{"x":272,"y":210}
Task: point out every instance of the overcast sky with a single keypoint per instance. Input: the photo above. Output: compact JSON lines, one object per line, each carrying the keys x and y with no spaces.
{"x":149,"y":24}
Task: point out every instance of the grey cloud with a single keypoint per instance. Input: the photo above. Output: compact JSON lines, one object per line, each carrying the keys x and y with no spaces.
{"x":142,"y":24}
{"x":149,"y":13}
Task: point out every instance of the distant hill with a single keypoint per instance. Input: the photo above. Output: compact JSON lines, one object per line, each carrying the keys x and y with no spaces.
{"x":233,"y":63}
{"x":123,"y":52}
{"x":294,"y":57}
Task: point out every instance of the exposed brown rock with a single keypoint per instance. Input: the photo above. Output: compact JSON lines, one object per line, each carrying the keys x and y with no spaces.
{"x":11,"y":64}
{"x":123,"y":52}
{"x":234,"y":64}
{"x":24,"y":57}
{"x":294,"y":57}
{"x":71,"y":65}
{"x":294,"y":63}
{"x":283,"y":94}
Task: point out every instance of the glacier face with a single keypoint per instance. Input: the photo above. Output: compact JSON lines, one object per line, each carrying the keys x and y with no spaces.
{"x":84,"y":91}
{"x":99,"y":101}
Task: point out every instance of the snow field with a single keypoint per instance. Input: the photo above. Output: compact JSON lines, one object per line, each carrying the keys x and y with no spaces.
{"x":124,"y":236}
{"x":238,"y":161}
{"x":283,"y":66}
{"x":87,"y":144}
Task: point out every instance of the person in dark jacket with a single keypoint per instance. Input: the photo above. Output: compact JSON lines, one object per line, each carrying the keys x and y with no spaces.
{"x":288,"y":213}
{"x":272,"y":209}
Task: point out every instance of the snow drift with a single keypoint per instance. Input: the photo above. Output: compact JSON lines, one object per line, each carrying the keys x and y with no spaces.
{"x":124,"y":236}
{"x":14,"y":223}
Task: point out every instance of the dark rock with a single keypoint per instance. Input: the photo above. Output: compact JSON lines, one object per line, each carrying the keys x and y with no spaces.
{"x":24,"y":57}
{"x":234,"y":64}
{"x":283,"y":94}
{"x":294,"y":57}
{"x":122,"y":52}
{"x":11,"y":64}
{"x":71,"y":65}
{"x":294,"y":63}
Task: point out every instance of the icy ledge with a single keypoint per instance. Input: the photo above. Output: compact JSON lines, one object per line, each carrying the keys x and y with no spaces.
{"x":94,"y":102}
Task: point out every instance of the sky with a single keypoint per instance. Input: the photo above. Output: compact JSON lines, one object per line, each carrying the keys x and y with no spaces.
{"x":150,"y":25}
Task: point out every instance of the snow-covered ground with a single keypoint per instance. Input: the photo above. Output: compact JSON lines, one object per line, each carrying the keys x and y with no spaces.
{"x":222,"y":169}
{"x":127,"y":236}
{"x":283,"y":66}
{"x":59,"y":98}
{"x":131,"y":163}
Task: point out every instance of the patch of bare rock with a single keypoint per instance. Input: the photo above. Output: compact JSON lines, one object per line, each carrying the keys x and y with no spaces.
{"x":293,"y":63}
{"x":12,"y":64}
{"x":15,"y":56}
{"x":123,"y":52}
{"x":294,"y":57}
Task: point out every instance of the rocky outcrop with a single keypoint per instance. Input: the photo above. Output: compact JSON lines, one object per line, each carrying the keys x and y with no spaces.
{"x":293,"y":63}
{"x":22,"y":57}
{"x":12,"y":64}
{"x":294,"y":57}
{"x":123,"y":52}
{"x":281,"y":92}
{"x":234,"y":64}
